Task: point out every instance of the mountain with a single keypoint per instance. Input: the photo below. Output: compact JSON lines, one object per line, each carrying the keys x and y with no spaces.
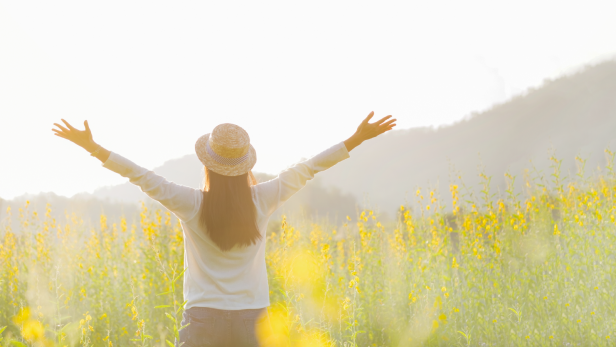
{"x":315,"y":199}
{"x":124,"y":199}
{"x":571,"y":116}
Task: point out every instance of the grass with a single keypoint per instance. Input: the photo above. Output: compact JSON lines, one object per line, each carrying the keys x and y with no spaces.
{"x":530,"y":269}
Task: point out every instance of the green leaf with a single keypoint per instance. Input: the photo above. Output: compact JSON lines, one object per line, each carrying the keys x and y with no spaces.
{"x":2,"y":329}
{"x":179,"y":275}
{"x":18,"y":344}
{"x":169,"y":343}
{"x":163,"y":293}
{"x":147,"y":336}
{"x":181,"y":307}
{"x":162,"y":306}
{"x":171,"y":317}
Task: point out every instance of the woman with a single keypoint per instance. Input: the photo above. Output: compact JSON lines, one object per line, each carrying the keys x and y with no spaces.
{"x":224,"y":225}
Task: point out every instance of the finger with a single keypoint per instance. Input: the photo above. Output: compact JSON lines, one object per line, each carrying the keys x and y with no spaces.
{"x":87,"y":126}
{"x":59,"y":132}
{"x":382,"y":120}
{"x":68,"y":125}
{"x":387,"y":128}
{"x":62,"y":136}
{"x":61,"y":127}
{"x":368,"y":118}
{"x":386,"y":124}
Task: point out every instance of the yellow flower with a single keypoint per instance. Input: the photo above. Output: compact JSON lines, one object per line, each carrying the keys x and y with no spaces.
{"x":444,"y":289}
{"x":33,"y":330}
{"x":23,"y":316}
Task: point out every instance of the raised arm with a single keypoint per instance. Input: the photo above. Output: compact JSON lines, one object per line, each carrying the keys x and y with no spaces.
{"x":183,"y":201}
{"x":275,"y":192}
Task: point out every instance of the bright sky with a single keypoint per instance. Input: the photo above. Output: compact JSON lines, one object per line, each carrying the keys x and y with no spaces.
{"x":152,"y":76}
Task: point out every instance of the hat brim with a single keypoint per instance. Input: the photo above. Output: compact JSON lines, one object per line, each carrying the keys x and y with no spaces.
{"x":225,"y":170}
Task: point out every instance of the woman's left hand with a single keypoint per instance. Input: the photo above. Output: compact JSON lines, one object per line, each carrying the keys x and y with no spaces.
{"x":82,"y":138}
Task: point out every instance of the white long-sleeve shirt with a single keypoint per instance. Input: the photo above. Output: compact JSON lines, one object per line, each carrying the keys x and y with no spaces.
{"x":235,"y":279}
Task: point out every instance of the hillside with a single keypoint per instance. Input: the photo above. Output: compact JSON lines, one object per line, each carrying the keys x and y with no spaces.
{"x":188,"y":171}
{"x":124,"y":199}
{"x":571,"y":116}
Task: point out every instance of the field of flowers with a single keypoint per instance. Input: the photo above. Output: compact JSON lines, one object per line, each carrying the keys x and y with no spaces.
{"x":528,"y":269}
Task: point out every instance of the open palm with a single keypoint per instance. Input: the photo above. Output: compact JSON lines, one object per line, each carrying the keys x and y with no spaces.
{"x":82,"y":138}
{"x":366,"y":130}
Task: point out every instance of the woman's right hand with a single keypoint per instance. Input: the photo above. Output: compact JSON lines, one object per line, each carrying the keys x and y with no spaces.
{"x":82,"y":138}
{"x":366,"y":130}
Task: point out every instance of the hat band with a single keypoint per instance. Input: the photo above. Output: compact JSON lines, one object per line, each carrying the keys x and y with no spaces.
{"x":227,"y":152}
{"x":223,"y":160}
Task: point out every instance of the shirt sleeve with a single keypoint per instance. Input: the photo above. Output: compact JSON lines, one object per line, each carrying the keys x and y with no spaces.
{"x":183,"y":201}
{"x":275,"y":192}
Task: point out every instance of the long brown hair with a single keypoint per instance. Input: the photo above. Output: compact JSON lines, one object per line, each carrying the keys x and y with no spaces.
{"x":228,"y":213}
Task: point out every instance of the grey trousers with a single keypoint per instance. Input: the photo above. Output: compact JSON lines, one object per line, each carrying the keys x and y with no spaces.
{"x":213,"y":327}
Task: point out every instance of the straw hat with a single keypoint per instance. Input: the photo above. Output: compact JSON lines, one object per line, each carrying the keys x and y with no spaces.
{"x":227,"y":150}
